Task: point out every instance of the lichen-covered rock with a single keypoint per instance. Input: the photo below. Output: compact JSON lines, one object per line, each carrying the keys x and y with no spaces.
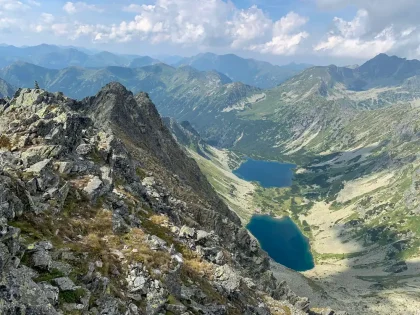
{"x":156,"y":298}
{"x":93,"y":187}
{"x":228,"y":278}
{"x":51,"y":292}
{"x":41,"y":260}
{"x":156,"y":243}
{"x":65,"y":284}
{"x":4,"y":257}
{"x":137,"y":279}
{"x":83,"y":149}
{"x":187,"y":232}
{"x":20,"y":292}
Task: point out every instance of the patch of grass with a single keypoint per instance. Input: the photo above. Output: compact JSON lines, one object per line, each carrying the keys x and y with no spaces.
{"x":326,"y":256}
{"x":71,"y":296}
{"x":141,"y":173}
{"x":5,"y":142}
{"x":49,"y":276}
{"x":30,"y":233}
{"x":160,"y":220}
{"x":96,"y":157}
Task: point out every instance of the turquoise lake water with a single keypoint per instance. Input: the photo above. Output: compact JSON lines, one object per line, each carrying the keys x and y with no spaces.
{"x":267,"y":173}
{"x":280,"y":238}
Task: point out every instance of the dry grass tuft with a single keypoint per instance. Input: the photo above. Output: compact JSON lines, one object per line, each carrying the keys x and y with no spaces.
{"x":162,"y":220}
{"x":5,"y":142}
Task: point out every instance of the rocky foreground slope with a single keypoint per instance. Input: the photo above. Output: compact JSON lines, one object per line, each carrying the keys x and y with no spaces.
{"x":101,"y":212}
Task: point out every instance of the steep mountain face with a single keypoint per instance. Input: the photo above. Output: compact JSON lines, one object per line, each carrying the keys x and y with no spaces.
{"x":136,"y":120}
{"x":6,"y":90}
{"x":185,"y":134}
{"x":354,"y":134}
{"x":55,"y":57}
{"x":101,"y":212}
{"x":249,"y":71}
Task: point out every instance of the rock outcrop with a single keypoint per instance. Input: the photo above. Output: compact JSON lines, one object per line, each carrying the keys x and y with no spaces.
{"x":101,"y":212}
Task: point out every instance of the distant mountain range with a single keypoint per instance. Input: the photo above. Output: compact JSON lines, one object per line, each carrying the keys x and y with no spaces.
{"x":56,"y":57}
{"x":249,"y":71}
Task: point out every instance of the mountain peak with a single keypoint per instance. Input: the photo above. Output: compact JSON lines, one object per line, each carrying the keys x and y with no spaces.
{"x":115,"y":88}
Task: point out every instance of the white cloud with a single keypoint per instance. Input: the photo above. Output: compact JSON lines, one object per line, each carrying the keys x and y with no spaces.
{"x":70,"y":8}
{"x":47,"y":18}
{"x":34,"y":3}
{"x":8,"y":23}
{"x":248,"y":25}
{"x":286,"y":37}
{"x":44,"y":23}
{"x":137,"y":8}
{"x":398,"y":19}
{"x":60,"y":29}
{"x":74,"y":7}
{"x":353,"y":39}
{"x":13,"y":5}
{"x":201,"y":23}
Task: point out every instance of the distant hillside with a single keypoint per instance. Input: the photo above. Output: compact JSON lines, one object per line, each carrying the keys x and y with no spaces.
{"x":249,"y":71}
{"x":142,"y":62}
{"x":55,"y":57}
{"x":6,"y":90}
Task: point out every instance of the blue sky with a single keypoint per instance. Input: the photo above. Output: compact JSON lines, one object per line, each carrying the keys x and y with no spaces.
{"x":279,"y":31}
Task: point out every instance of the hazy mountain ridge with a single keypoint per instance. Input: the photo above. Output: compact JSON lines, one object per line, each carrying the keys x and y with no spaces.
{"x":55,"y":57}
{"x":249,"y":71}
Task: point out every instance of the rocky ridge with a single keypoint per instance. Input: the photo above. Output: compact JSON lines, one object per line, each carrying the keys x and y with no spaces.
{"x":101,"y":212}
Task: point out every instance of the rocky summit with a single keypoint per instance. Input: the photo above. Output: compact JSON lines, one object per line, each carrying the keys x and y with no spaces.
{"x":101,"y":212}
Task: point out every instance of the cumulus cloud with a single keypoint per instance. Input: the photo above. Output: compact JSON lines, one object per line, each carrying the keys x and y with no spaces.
{"x":47,"y":18}
{"x":203,"y":23}
{"x":13,"y":5}
{"x":44,"y":23}
{"x":74,"y":7}
{"x":353,"y":38}
{"x":34,"y":3}
{"x":382,"y":25}
{"x":286,"y":38}
{"x":247,"y":26}
{"x":6,"y":24}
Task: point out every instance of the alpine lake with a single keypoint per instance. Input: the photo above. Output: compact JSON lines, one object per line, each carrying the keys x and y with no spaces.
{"x":281,"y":238}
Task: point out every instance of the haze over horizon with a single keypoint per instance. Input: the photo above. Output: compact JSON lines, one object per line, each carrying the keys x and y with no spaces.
{"x":318,"y":32}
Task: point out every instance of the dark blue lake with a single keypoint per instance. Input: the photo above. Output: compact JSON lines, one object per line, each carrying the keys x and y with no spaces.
{"x":268,"y":174}
{"x":283,"y":241}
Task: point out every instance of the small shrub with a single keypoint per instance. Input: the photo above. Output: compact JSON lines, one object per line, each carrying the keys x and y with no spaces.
{"x":141,"y":173}
{"x":5,"y":142}
{"x":71,"y":296}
